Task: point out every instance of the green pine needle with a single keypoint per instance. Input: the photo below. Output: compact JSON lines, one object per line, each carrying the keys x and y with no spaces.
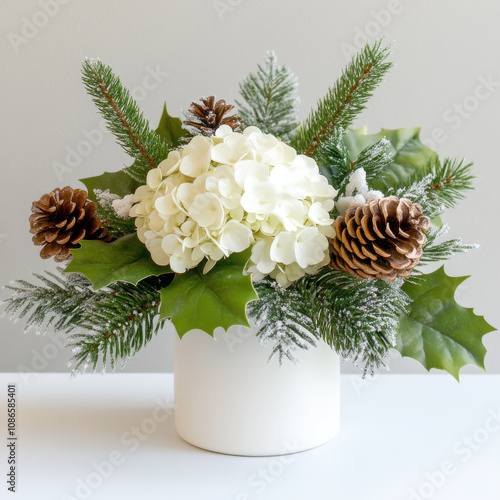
{"x":108,"y":325}
{"x":124,"y":118}
{"x":439,"y":186}
{"x":437,"y":252}
{"x":124,"y":319}
{"x":269,"y":98}
{"x":450,"y":180}
{"x":283,"y":318}
{"x":345,"y":100}
{"x":357,"y":318}
{"x":374,"y":159}
{"x":334,"y":160}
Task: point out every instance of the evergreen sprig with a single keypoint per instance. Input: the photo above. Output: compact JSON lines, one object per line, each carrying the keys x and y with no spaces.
{"x":283,"y":318}
{"x":269,"y":97}
{"x":108,"y":325}
{"x":374,"y":159}
{"x":436,"y":252}
{"x":337,"y":166}
{"x":440,"y":185}
{"x":357,"y":318}
{"x":59,"y":302}
{"x":124,"y":118}
{"x":450,"y":179}
{"x":345,"y":100}
{"x":123,"y":320}
{"x":115,"y":225}
{"x":334,"y":159}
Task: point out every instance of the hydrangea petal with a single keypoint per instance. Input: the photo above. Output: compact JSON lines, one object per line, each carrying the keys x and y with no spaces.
{"x":196,"y":156}
{"x":170,"y":164}
{"x":282,"y":248}
{"x":154,"y":178}
{"x":235,"y":237}
{"x":207,"y":210}
{"x":310,"y":247}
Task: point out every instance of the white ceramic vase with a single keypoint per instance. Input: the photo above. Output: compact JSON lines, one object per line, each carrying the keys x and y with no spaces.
{"x":229,"y":399}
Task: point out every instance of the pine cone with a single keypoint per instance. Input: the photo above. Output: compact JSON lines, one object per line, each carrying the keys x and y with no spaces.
{"x":207,"y":117}
{"x":61,"y":219}
{"x":381,"y":239}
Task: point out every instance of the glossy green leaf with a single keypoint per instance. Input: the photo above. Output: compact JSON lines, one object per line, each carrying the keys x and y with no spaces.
{"x":410,"y":155}
{"x":438,"y":332}
{"x":170,"y":128}
{"x":125,"y":259}
{"x":119,"y":183}
{"x":206,"y":301}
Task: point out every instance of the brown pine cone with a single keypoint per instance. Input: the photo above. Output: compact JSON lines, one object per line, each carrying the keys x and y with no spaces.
{"x":61,"y":219}
{"x":207,"y":117}
{"x":381,"y":239}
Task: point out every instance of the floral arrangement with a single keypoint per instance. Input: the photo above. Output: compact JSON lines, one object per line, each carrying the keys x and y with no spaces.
{"x":313,"y":231}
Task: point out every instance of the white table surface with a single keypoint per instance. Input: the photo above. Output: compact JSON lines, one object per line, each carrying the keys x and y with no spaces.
{"x":397,"y":432}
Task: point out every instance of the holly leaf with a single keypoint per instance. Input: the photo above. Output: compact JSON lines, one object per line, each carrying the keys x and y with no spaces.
{"x":438,"y":332}
{"x":410,"y":155}
{"x":206,"y":301}
{"x":119,"y":183}
{"x":170,"y":128}
{"x":125,"y":259}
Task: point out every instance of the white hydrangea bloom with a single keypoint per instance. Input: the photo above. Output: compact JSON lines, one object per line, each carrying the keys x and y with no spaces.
{"x":223,"y":194}
{"x":357,"y":192}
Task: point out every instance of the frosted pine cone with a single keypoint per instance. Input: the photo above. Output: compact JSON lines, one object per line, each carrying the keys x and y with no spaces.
{"x":206,"y":117}
{"x":381,"y":239}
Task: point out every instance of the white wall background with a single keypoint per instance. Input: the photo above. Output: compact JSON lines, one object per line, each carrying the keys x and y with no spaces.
{"x":443,"y":51}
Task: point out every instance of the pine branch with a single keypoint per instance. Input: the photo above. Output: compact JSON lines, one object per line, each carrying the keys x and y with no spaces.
{"x":374,"y":159}
{"x":124,"y":118}
{"x":345,"y":100}
{"x":55,"y":303}
{"x":445,"y":250}
{"x":122,"y":322}
{"x":450,"y":179}
{"x":436,"y":252}
{"x":269,"y":98}
{"x":357,"y":318}
{"x":282,"y":318}
{"x":336,"y":165}
{"x":106,"y":325}
{"x":439,"y":186}
{"x":334,"y":160}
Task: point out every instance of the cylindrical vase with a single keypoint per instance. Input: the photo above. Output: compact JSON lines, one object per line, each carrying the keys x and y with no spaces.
{"x":230,"y":399}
